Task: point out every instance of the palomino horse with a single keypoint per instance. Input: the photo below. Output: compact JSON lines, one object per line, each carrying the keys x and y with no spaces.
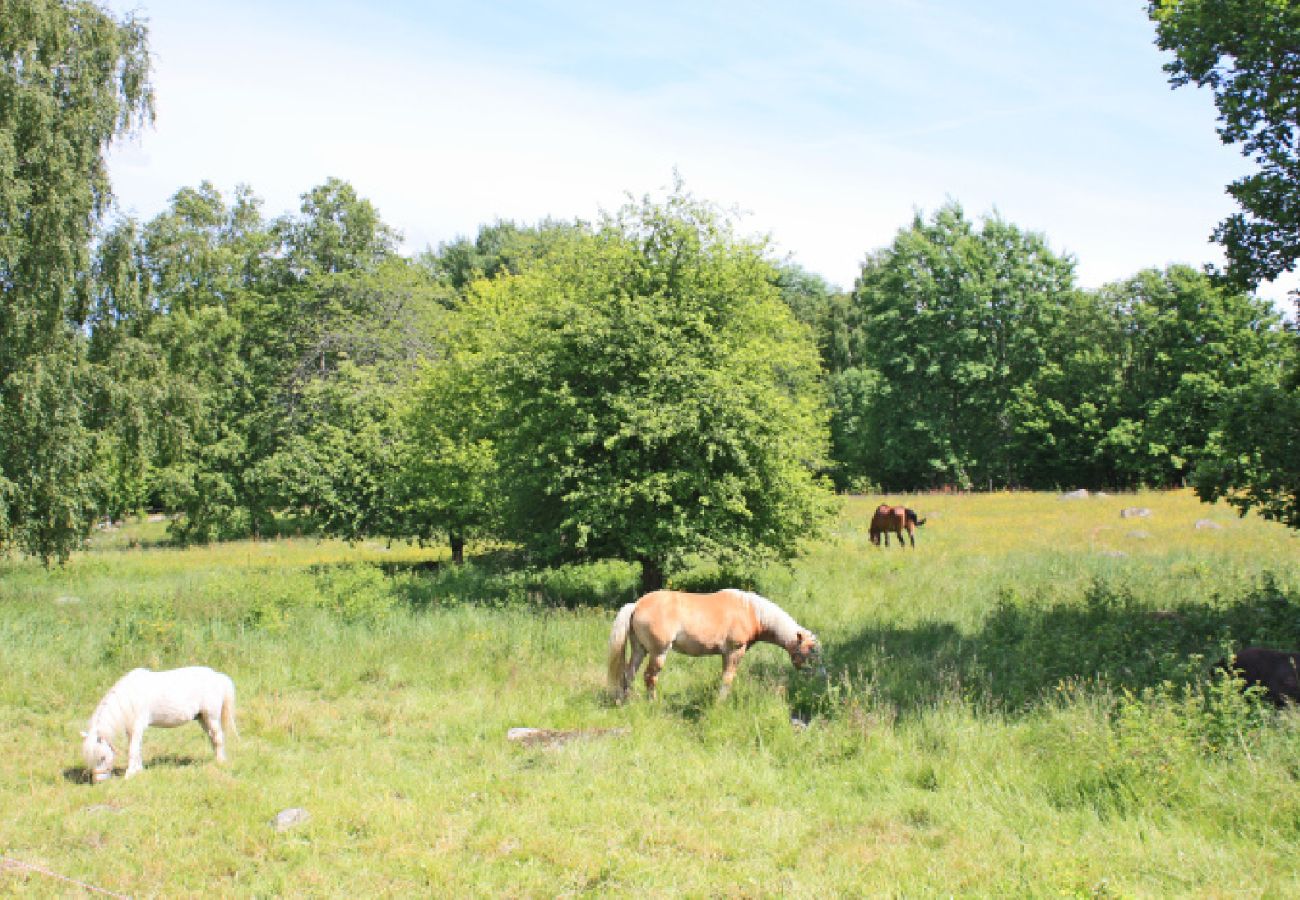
{"x":141,"y":698}
{"x":726,"y":623}
{"x":895,"y":519}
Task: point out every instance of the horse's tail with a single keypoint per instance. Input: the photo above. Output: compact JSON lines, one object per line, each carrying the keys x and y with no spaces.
{"x":618,"y":648}
{"x":228,"y":709}
{"x":911,"y":517}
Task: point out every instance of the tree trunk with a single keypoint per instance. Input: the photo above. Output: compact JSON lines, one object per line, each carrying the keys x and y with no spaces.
{"x":457,"y":549}
{"x":652,"y":575}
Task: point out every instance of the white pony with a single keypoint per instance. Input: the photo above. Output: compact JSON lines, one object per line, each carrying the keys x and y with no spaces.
{"x":142,"y":698}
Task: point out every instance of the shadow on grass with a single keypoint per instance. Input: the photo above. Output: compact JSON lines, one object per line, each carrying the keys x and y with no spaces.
{"x":501,"y":578}
{"x":80,"y":775}
{"x":1029,"y":647}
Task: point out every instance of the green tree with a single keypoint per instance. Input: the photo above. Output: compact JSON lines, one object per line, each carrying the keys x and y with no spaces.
{"x":1251,"y":458}
{"x":502,"y":248}
{"x":337,"y":231}
{"x":72,"y":78}
{"x":448,"y":481}
{"x":1248,"y":53}
{"x":1188,"y":344}
{"x":956,"y":320}
{"x":654,"y":397}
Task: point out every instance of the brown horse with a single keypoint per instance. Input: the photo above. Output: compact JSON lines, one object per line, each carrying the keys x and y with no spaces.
{"x":894,"y":519}
{"x":725,"y":623}
{"x":1276,"y":671}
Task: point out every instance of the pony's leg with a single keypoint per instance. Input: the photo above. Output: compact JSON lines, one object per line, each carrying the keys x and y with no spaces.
{"x":730,"y":662}
{"x":135,"y":755}
{"x":652,"y":670}
{"x":629,"y":674}
{"x":911,"y":536}
{"x":211,"y":723}
{"x":886,"y":537}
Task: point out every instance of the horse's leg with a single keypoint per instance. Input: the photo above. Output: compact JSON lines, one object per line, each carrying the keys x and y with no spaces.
{"x":135,"y":741}
{"x":211,"y":723}
{"x":911,"y":536}
{"x":652,"y":670}
{"x":730,"y":661}
{"x":629,"y":673}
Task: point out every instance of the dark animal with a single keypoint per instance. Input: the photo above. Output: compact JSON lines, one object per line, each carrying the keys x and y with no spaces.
{"x":1273,"y":670}
{"x":894,"y":520}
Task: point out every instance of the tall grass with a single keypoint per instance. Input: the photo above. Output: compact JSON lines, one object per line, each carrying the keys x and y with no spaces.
{"x":1010,"y":708}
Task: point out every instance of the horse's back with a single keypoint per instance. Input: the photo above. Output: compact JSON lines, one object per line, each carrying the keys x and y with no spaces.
{"x":177,"y":696}
{"x":696,"y":623}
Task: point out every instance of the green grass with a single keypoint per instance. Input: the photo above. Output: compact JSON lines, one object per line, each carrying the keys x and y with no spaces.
{"x":1011,"y":709}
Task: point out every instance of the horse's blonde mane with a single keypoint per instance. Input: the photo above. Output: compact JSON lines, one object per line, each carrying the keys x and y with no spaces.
{"x":772,"y":617}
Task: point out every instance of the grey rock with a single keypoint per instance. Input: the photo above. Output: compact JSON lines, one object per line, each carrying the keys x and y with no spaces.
{"x":288,"y":818}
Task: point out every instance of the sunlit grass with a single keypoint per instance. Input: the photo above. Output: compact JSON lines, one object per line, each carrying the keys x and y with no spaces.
{"x":983,"y":728}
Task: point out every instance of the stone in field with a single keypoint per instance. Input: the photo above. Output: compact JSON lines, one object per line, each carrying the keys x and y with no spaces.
{"x":550,"y":738}
{"x":288,"y":818}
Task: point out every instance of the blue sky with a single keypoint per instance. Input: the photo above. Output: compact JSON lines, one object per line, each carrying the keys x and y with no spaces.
{"x":828,"y":124}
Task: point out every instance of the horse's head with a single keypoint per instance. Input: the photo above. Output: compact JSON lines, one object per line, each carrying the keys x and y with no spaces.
{"x":803,"y":648}
{"x":98,"y":753}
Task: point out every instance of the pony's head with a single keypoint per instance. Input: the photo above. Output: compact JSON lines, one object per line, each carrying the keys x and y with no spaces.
{"x":98,"y":753}
{"x":804,"y":648}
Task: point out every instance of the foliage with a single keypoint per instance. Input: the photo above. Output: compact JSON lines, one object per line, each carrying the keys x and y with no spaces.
{"x":956,"y":320}
{"x":275,"y":353}
{"x":72,"y":79}
{"x":1248,"y":53}
{"x":651,"y":396}
{"x":335,"y":469}
{"x":1251,"y":459}
{"x":1187,"y":344}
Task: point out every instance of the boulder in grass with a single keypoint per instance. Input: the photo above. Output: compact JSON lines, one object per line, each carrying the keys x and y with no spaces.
{"x":549,"y":738}
{"x":288,"y":818}
{"x":1134,"y":512}
{"x":1080,"y":494}
{"x":1208,"y":525}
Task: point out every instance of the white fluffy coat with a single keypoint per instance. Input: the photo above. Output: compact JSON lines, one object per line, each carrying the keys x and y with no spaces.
{"x":142,"y":697}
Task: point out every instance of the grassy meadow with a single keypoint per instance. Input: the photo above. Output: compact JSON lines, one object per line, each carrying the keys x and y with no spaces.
{"x":1019,"y":706}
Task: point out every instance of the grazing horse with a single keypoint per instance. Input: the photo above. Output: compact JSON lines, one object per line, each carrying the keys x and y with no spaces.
{"x":726,"y":623}
{"x":895,"y":519}
{"x":1276,"y":671}
{"x":141,"y":698}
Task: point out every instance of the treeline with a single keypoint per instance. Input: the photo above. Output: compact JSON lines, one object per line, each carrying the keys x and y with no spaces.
{"x":967,"y":356}
{"x":651,"y":386}
{"x":300,"y":372}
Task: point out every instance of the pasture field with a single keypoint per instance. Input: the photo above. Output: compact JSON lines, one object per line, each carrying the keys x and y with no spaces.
{"x":1019,"y":706}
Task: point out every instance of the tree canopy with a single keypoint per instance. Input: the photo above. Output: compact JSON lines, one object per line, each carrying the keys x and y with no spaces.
{"x":1248,"y":53}
{"x":650,"y":396}
{"x":72,"y":78}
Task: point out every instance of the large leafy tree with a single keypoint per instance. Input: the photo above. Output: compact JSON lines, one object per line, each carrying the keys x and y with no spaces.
{"x":1252,"y":458}
{"x":653,"y":398}
{"x":1248,"y":53}
{"x":1187,"y":344}
{"x":72,"y":78}
{"x":955,"y":320}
